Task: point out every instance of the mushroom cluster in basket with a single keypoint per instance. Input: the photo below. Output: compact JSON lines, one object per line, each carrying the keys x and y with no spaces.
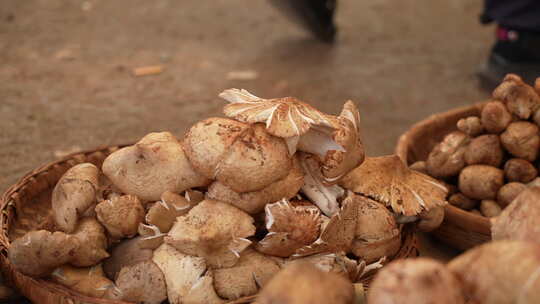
{"x":492,"y":157}
{"x":213,"y":216}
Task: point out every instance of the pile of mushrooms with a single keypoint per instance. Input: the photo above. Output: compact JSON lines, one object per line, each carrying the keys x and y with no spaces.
{"x":213,"y":216}
{"x":492,"y":157}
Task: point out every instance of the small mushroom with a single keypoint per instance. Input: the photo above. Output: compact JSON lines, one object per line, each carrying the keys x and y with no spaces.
{"x":499,"y":272}
{"x":93,"y":243}
{"x":448,"y":157}
{"x":142,"y":283}
{"x":121,"y":215}
{"x":151,"y":236}
{"x":38,"y":253}
{"x":74,"y":193}
{"x":481,"y":182}
{"x":155,"y":164}
{"x":88,"y":281}
{"x":244,"y":157}
{"x":419,"y":166}
{"x":290,"y":228}
{"x":471,"y":125}
{"x":490,"y":208}
{"x":521,"y":139}
{"x":214,"y":230}
{"x":460,"y":200}
{"x":163,"y":213}
{"x":485,"y":149}
{"x":419,"y":281}
{"x":124,"y":254}
{"x":519,"y":170}
{"x":310,"y":286}
{"x":495,"y":117}
{"x":509,"y":192}
{"x":520,"y":98}
{"x":520,"y":220}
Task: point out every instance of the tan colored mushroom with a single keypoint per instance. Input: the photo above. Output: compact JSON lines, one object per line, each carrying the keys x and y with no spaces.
{"x":509,"y":192}
{"x":495,"y":117}
{"x":419,"y":281}
{"x":500,"y":272}
{"x":142,"y":283}
{"x":484,"y":149}
{"x":151,"y":236}
{"x":460,"y":200}
{"x":244,"y":157}
{"x":471,"y":125}
{"x":521,"y":219}
{"x":121,"y":215}
{"x":520,"y":98}
{"x":519,"y":170}
{"x":38,"y":253}
{"x":430,"y":219}
{"x":93,"y":243}
{"x":387,"y":180}
{"x":214,"y":230}
{"x":194,"y":196}
{"x":124,"y":254}
{"x":289,"y":228}
{"x":448,"y":157}
{"x":164,"y":212}
{"x":521,"y":139}
{"x":254,"y":202}
{"x":419,"y":166}
{"x":481,"y":182}
{"x":311,"y":286}
{"x":337,"y":263}
{"x":74,"y":194}
{"x":155,"y":164}
{"x":88,"y":281}
{"x":252,"y":272}
{"x":203,"y":291}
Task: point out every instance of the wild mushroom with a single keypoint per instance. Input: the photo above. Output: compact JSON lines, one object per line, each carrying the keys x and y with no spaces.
{"x":203,"y":291}
{"x":214,"y":230}
{"x":142,"y":283}
{"x":155,"y":164}
{"x":471,"y":125}
{"x":164,"y":212}
{"x":337,"y":263}
{"x":254,"y":202}
{"x":495,"y":117}
{"x":460,"y":200}
{"x":448,"y":157}
{"x":311,"y":286}
{"x":387,"y":180}
{"x":520,"y":98}
{"x":519,"y":170}
{"x":419,"y":166}
{"x":481,"y":182}
{"x":290,"y":228}
{"x":419,"y":281}
{"x":124,"y":254}
{"x":430,"y":219}
{"x":484,"y":149}
{"x":38,"y":253}
{"x":500,"y":272}
{"x":521,"y":139}
{"x":244,"y":157}
{"x":88,"y":281}
{"x":252,"y":271}
{"x":74,"y":193}
{"x":121,"y":215}
{"x":509,"y":192}
{"x":151,"y":236}
{"x":93,"y":243}
{"x":520,"y":220}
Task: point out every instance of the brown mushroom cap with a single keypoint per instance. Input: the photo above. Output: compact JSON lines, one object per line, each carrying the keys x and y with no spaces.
{"x":419,"y":281}
{"x":151,"y":236}
{"x":495,"y":117}
{"x":74,"y":193}
{"x":521,"y":139}
{"x":460,"y":200}
{"x":480,"y":181}
{"x":471,"y":125}
{"x":121,"y":215}
{"x":337,"y":263}
{"x":388,"y":180}
{"x":303,"y":283}
{"x":124,"y":254}
{"x":93,"y":243}
{"x":500,"y":272}
{"x":520,"y":98}
{"x":519,"y":170}
{"x":203,"y":291}
{"x":254,"y":202}
{"x":484,"y":149}
{"x":430,"y":219}
{"x":213,"y":230}
{"x":163,"y":213}
{"x":448,"y":157}
{"x":88,"y":281}
{"x":142,"y":283}
{"x":509,"y":192}
{"x":252,"y":271}
{"x":521,"y":219}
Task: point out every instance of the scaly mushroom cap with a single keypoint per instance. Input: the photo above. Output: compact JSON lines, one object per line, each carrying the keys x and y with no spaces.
{"x":203,"y":291}
{"x":377,"y":233}
{"x":520,"y":98}
{"x":181,"y":271}
{"x":124,"y":254}
{"x":74,"y":193}
{"x":252,"y":271}
{"x":214,"y":230}
{"x":155,"y":164}
{"x":254,"y":202}
{"x":419,"y":281}
{"x":387,"y":180}
{"x":38,"y":253}
{"x":121,"y":215}
{"x":500,"y":272}
{"x":163,"y":213}
{"x":290,"y":228}
{"x":142,"y":283}
{"x":521,"y":219}
{"x":88,"y":281}
{"x":93,"y":243}
{"x":244,"y":157}
{"x":303,"y":283}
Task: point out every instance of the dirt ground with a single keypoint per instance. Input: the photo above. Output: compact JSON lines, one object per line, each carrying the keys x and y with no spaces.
{"x":66,"y":81}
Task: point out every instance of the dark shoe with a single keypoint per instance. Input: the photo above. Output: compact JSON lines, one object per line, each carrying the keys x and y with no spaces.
{"x":515,"y":52}
{"x":316,"y":16}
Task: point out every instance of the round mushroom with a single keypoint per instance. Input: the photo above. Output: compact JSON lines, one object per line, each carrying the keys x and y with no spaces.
{"x":480,"y":181}
{"x":495,"y":117}
{"x":521,"y":139}
{"x":448,"y":157}
{"x":486,"y":150}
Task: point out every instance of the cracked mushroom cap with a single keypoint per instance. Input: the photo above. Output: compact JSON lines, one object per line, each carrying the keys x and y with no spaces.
{"x":214,"y":230}
{"x":121,"y":215}
{"x":93,"y":243}
{"x":38,"y":253}
{"x":419,"y":281}
{"x":124,"y":254}
{"x":244,"y":157}
{"x":500,"y":272}
{"x":74,"y":193}
{"x":164,"y":212}
{"x":142,"y":283}
{"x":303,"y":283}
{"x":289,"y":229}
{"x":387,"y":180}
{"x":254,"y":202}
{"x":151,"y":236}
{"x":520,"y":220}
{"x":155,"y":164}
{"x":89,"y":281}
{"x":252,"y":272}
{"x":520,"y":98}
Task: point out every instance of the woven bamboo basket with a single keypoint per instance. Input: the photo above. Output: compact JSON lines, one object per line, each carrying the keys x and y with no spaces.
{"x":24,"y":204}
{"x":460,"y":229}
